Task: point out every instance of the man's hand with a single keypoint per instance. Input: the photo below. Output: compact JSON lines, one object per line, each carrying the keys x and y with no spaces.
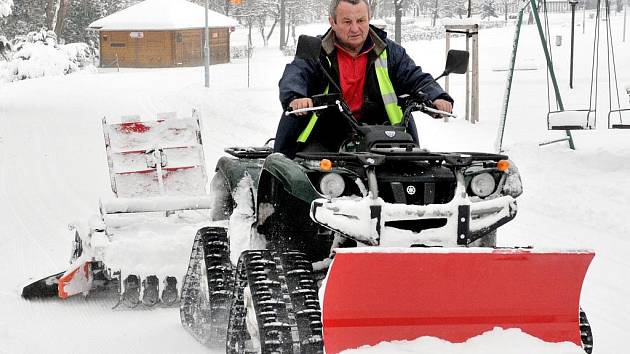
{"x":443,"y":105}
{"x":299,"y":103}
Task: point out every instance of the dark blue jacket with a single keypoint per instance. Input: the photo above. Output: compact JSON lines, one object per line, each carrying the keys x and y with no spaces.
{"x":304,"y":78}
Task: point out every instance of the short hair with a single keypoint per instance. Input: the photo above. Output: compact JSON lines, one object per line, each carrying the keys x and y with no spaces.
{"x":332,"y":12}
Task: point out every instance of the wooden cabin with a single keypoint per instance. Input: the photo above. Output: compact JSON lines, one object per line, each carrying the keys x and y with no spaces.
{"x":162,"y":33}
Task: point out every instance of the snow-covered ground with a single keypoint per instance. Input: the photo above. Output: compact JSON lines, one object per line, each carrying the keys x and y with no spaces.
{"x":53,"y":170}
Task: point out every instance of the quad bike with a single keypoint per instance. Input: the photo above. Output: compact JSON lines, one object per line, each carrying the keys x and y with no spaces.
{"x":139,"y":242}
{"x":380,"y":241}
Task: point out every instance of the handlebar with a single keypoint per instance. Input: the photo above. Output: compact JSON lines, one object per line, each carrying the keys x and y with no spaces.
{"x":290,"y":111}
{"x":410,"y":104}
{"x":434,"y":111}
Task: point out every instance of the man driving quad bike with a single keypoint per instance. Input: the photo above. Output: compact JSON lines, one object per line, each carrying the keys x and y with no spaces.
{"x":353,"y":234}
{"x":367,"y":68}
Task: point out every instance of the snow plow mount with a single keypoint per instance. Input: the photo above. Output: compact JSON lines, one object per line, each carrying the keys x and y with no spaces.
{"x":464,"y":220}
{"x":469,"y":221}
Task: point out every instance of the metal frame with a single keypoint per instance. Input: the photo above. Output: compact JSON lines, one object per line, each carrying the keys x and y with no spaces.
{"x":506,"y":100}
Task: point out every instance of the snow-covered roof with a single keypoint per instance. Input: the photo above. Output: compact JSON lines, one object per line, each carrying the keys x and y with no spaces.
{"x":162,"y":15}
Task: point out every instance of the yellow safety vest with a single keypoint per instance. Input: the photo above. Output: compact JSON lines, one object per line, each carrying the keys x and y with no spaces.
{"x":390,"y":99}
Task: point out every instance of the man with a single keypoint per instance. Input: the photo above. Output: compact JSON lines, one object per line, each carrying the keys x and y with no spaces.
{"x":370,"y":70}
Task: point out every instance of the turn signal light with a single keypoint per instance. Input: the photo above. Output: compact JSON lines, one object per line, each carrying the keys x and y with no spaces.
{"x":325,"y":165}
{"x":503,"y":165}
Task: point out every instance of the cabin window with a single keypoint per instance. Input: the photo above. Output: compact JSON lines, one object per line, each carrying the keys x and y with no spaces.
{"x":179,"y":38}
{"x":118,"y":45}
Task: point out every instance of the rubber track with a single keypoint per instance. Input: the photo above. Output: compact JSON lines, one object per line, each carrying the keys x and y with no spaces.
{"x":285,"y":299}
{"x":204,"y":315}
{"x":585,"y":333}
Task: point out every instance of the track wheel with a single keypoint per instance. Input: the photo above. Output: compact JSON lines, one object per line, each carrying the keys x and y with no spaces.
{"x":169,"y":294}
{"x":131,"y":291}
{"x":151,"y":291}
{"x":276,"y":308}
{"x":207,"y":288}
{"x":586,"y":333}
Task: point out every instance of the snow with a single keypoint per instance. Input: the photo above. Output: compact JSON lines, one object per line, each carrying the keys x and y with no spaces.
{"x":153,"y":246}
{"x":162,"y":15}
{"x":581,"y":118}
{"x":510,"y":341}
{"x":44,"y":57}
{"x":460,"y":21}
{"x":54,"y":170}
{"x":37,"y":59}
{"x":5,"y":8}
{"x":433,"y":250}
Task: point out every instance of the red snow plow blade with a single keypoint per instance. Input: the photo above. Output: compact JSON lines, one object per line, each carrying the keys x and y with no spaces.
{"x":451,"y":293}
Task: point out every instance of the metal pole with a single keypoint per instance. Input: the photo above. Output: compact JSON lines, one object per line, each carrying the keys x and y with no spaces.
{"x":572,"y":3}
{"x":498,"y":144}
{"x":543,"y":41}
{"x":206,"y":50}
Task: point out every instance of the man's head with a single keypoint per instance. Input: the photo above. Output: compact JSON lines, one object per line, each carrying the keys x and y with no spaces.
{"x":350,"y":19}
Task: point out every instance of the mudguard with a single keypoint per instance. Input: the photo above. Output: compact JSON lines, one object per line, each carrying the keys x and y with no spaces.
{"x":380,"y":294}
{"x":233,"y":170}
{"x":292,"y":177}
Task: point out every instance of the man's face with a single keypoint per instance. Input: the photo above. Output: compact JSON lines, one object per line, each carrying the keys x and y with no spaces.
{"x":352,"y":24}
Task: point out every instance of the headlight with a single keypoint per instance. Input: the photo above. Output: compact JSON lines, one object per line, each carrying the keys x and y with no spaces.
{"x":483,"y":185}
{"x":332,"y":185}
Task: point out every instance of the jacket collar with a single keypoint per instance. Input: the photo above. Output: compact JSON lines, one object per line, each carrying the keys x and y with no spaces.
{"x":378,"y":37}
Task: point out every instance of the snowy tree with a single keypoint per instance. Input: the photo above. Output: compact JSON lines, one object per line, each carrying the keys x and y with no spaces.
{"x":299,"y":12}
{"x":68,"y":18}
{"x":38,"y":54}
{"x":508,"y":6}
{"x":221,"y":6}
{"x":266,"y":15}
{"x":5,"y":7}
{"x":487,"y":8}
{"x":26,"y":16}
{"x":5,"y":45}
{"x":454,"y":8}
{"x":259,"y":13}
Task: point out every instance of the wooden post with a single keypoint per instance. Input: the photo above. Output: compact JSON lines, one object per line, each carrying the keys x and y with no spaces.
{"x":475,"y":76}
{"x":468,"y":79}
{"x":448,"y":47}
{"x":472,"y":80}
{"x":446,"y":81}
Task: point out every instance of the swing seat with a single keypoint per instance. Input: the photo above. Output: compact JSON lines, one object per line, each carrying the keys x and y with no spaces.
{"x":579,"y":119}
{"x":623,"y":116}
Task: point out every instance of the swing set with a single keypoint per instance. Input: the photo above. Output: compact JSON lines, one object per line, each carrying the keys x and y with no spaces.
{"x":560,"y":118}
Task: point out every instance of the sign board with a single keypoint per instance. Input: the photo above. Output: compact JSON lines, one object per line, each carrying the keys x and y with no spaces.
{"x":136,"y":34}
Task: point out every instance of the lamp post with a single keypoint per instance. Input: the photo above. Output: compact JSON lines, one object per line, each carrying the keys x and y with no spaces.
{"x":206,"y":49}
{"x":573,"y":3}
